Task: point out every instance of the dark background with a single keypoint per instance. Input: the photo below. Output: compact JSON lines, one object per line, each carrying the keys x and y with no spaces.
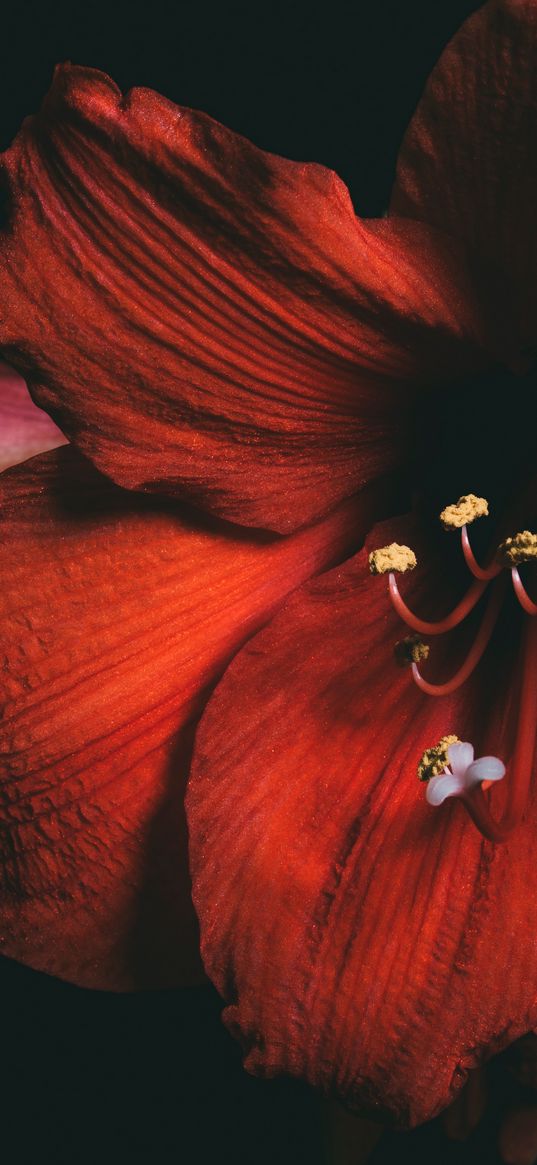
{"x":154,"y":1078}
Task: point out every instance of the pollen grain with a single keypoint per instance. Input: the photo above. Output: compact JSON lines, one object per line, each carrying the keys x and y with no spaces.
{"x":392,"y":557}
{"x":466,"y":510}
{"x":521,"y":547}
{"x":412,"y":649}
{"x":435,"y":760}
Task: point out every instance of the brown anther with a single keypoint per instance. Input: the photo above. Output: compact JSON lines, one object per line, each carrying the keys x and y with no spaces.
{"x":435,"y":760}
{"x":521,"y":547}
{"x":410,"y":650}
{"x":466,"y":510}
{"x":392,"y":557}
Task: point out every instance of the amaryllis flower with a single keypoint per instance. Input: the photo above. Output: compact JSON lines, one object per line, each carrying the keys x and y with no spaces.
{"x":212,"y":327}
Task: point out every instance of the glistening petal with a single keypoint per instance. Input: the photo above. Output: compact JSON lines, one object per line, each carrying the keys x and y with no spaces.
{"x":486,"y":768}
{"x":440,"y":788}
{"x":118,"y":614}
{"x":460,"y":755}
{"x":24,"y":429}
{"x":468,"y":163}
{"x":220,"y":325}
{"x":364,"y":940}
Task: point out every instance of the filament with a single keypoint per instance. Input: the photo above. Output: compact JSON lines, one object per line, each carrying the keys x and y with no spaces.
{"x":522,"y":594}
{"x":484,"y":573}
{"x":456,"y":616}
{"x":474,"y":655}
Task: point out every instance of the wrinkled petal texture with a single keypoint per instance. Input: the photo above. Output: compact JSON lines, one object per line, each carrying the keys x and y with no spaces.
{"x":24,"y":429}
{"x":219,"y":324}
{"x":364,"y":940}
{"x":118,"y":614}
{"x":468,"y":163}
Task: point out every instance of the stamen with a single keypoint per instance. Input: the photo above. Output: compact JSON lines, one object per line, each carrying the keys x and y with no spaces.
{"x":435,"y":759}
{"x":412,"y":649}
{"x":466,"y":510}
{"x":485,"y":573}
{"x":522,"y":547}
{"x":392,"y":557}
{"x":449,"y":767}
{"x":474,"y":655}
{"x":521,"y":593}
{"x":456,"y":616}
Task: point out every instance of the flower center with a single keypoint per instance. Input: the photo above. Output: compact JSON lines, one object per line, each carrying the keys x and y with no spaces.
{"x":449,"y":767}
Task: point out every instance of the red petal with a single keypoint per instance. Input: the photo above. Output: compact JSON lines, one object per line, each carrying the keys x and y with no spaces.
{"x":468,"y":162}
{"x":218,"y":322}
{"x":24,"y":429}
{"x":118,"y":614}
{"x":363,"y":940}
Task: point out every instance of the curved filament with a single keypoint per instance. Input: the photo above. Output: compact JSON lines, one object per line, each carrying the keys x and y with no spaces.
{"x":522,"y":594}
{"x":485,"y":573}
{"x":456,"y":616}
{"x":474,"y":655}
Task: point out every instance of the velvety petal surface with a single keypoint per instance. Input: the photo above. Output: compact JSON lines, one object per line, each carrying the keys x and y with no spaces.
{"x":468,"y":163}
{"x":363,"y":940}
{"x":118,"y":614}
{"x":207,"y":319}
{"x":24,"y":429}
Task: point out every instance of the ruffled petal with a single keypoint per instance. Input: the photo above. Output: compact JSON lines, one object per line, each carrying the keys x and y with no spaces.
{"x":363,"y":940}
{"x":219,"y":324}
{"x":118,"y":613}
{"x":468,"y":163}
{"x":24,"y":429}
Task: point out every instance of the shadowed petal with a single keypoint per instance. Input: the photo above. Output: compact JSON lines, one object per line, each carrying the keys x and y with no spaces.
{"x":468,"y":163}
{"x":364,"y":940}
{"x":518,"y":1136}
{"x":24,"y":429}
{"x":219,"y":324}
{"x":118,"y":614}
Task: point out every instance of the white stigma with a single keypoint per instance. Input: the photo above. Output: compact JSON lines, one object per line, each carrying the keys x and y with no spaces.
{"x":463,"y":773}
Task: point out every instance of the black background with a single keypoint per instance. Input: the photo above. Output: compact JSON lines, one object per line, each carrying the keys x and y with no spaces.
{"x":91,"y":1077}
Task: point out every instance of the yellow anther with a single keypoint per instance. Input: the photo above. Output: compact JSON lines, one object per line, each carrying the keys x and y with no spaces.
{"x":434,"y":760}
{"x":410,"y":650}
{"x":466,"y":510}
{"x":392,"y":557}
{"x":521,"y":547}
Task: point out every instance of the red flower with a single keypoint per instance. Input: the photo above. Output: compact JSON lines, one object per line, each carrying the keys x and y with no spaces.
{"x":212,"y":324}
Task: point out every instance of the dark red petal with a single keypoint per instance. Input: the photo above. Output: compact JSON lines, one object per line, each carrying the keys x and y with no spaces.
{"x":468,"y":162}
{"x":118,"y":613}
{"x":24,"y":429}
{"x":374,"y":945}
{"x":219,"y":324}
